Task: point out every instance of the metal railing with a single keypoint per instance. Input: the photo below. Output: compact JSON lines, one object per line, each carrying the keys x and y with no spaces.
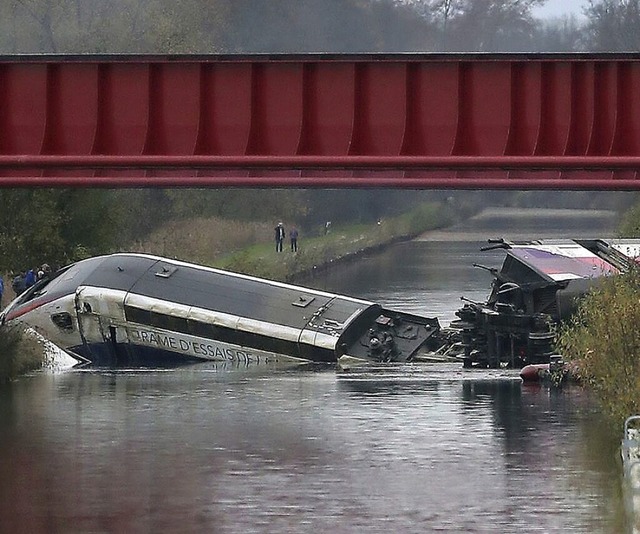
{"x":630,"y":451}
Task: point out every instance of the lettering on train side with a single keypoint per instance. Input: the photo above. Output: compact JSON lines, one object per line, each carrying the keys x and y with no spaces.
{"x":154,"y":338}
{"x":188,"y":346}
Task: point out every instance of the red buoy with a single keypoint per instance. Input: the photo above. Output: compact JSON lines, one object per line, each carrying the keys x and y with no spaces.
{"x":534,"y":372}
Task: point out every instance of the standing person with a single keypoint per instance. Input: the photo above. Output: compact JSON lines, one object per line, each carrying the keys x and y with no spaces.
{"x":46,"y":270}
{"x":18,"y":284}
{"x":293,"y":235}
{"x":279,"y":237}
{"x":30,"y":278}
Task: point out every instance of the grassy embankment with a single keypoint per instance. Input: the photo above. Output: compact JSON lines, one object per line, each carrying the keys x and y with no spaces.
{"x":249,"y":247}
{"x":603,"y":339}
{"x":341,"y":243}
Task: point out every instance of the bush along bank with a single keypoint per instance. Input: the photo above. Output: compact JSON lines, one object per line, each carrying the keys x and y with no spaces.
{"x":19,"y":353}
{"x":339,"y":244}
{"x":602,"y":340}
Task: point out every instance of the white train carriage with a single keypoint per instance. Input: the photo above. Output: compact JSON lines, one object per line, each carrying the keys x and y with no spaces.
{"x":138,"y":308}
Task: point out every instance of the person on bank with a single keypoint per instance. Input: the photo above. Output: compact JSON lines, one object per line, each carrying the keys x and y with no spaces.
{"x":46,"y":270}
{"x":279,"y":237}
{"x":18,"y":284}
{"x":293,"y":236}
{"x":30,"y":278}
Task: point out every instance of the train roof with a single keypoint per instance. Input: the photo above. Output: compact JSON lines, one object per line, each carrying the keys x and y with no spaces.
{"x":560,"y":260}
{"x":206,"y":288}
{"x":232,"y":293}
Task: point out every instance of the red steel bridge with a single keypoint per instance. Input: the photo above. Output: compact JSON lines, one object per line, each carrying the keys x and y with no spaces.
{"x":403,"y":121}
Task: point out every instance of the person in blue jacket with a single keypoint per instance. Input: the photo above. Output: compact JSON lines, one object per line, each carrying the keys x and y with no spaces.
{"x":30,"y":278}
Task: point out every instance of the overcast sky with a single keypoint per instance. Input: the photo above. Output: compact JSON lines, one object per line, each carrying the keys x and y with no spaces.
{"x":559,"y":8}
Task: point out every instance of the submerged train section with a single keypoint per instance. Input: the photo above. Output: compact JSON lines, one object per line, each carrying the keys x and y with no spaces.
{"x":133,"y":308}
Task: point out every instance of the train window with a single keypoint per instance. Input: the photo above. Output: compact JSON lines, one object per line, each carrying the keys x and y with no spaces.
{"x":63,"y":321}
{"x":153,"y":318}
{"x":137,"y":315}
{"x":168,"y":322}
{"x":36,"y":290}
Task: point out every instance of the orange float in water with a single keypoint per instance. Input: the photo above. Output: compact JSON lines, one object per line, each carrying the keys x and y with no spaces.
{"x":535,"y":372}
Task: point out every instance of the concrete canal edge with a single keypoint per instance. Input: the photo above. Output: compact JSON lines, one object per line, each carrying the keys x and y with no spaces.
{"x":311,"y":272}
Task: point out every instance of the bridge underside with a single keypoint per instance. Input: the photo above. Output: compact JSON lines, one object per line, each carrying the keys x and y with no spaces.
{"x":402,"y":121}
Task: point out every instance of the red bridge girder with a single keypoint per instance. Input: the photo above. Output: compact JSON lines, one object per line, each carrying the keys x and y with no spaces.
{"x":413,"y":121}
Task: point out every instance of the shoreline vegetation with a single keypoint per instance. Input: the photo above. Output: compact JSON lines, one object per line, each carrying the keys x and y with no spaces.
{"x":602,"y":340}
{"x":20,"y":353}
{"x":254,"y":255}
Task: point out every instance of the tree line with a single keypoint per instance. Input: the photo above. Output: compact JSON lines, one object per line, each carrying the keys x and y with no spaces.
{"x":59,"y":226}
{"x":337,"y":26}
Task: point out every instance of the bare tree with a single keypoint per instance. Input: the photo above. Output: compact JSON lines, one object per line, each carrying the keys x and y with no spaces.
{"x":495,"y":25}
{"x":566,"y":34}
{"x":614,"y":25}
{"x":480,"y":25}
{"x":42,"y":16}
{"x":445,"y":10}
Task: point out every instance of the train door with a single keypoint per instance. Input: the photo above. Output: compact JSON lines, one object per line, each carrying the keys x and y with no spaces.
{"x":101,"y":323}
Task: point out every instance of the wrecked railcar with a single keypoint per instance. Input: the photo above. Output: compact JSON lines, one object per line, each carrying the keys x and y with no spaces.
{"x":135,"y":309}
{"x":538,"y":285}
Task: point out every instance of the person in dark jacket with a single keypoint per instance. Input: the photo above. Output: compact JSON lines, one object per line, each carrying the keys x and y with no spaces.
{"x":279,"y":237}
{"x":18,"y":285}
{"x":293,"y":236}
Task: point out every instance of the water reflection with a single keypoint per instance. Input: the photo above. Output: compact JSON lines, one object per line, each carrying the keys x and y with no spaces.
{"x":228,"y":449}
{"x":530,"y":457}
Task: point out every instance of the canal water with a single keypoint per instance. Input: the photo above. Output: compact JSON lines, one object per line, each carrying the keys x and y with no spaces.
{"x":233,"y":448}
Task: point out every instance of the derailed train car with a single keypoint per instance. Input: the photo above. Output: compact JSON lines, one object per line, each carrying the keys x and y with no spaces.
{"x":538,"y":285}
{"x":134,"y":308}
